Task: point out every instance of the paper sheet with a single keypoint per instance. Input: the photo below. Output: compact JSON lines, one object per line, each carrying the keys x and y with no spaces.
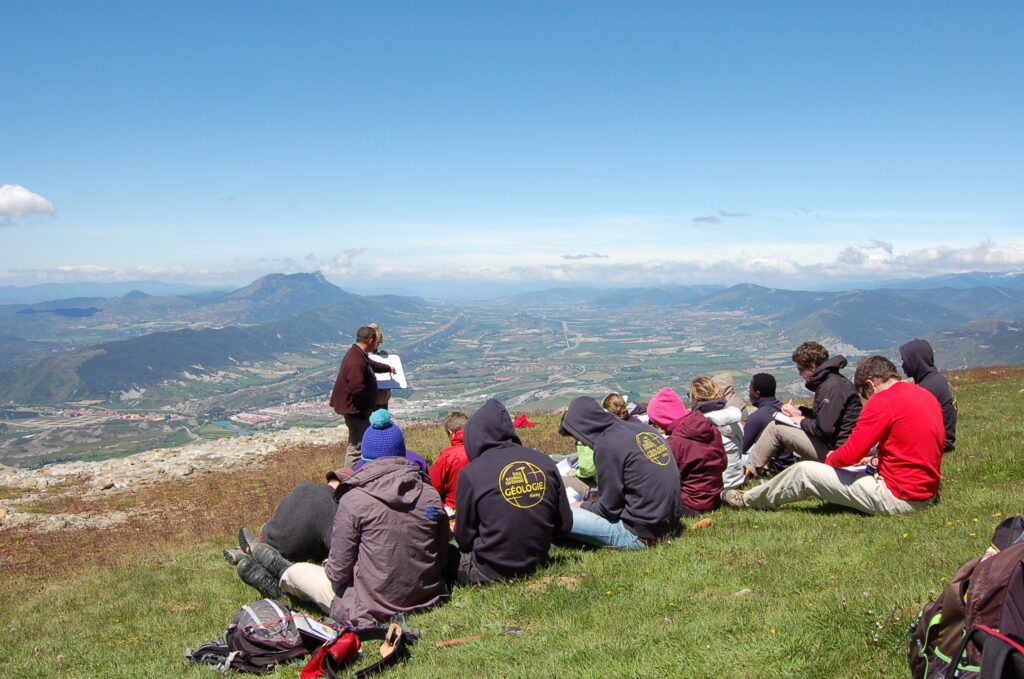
{"x":386,"y":381}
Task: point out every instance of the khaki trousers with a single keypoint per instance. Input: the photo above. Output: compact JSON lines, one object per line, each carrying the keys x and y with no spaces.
{"x":310,"y":582}
{"x":776,"y":438}
{"x":855,"y":489}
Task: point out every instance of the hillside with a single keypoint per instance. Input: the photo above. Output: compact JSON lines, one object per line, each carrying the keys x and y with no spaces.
{"x":808,"y":591}
{"x":108,"y":371}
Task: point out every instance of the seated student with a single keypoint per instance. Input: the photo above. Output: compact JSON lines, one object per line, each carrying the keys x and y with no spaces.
{"x":727,"y":385}
{"x":697,"y":447}
{"x":903,"y":420}
{"x":300,"y":527}
{"x":762,"y":395}
{"x":444,"y":475}
{"x":638,"y":495}
{"x":707,"y":398}
{"x":510,"y":501}
{"x":819,"y":429}
{"x":388,"y":547}
{"x":919,"y":364}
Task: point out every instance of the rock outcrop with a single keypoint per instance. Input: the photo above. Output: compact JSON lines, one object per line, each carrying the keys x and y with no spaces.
{"x":136,"y":471}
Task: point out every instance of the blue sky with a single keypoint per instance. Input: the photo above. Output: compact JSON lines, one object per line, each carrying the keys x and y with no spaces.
{"x":457,"y":146}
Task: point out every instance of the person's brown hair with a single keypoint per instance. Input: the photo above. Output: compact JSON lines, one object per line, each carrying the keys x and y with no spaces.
{"x":878,"y":369}
{"x":703,"y":389}
{"x":616,"y":405}
{"x":809,"y":354}
{"x":455,"y":421}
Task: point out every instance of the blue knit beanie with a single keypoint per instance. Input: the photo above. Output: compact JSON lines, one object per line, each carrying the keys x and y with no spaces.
{"x":383,"y":438}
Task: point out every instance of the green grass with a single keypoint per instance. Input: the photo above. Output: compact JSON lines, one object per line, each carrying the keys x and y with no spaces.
{"x":830,"y":593}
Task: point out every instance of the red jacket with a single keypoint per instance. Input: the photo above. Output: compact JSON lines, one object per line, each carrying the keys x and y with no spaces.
{"x":697,"y":446}
{"x":906,"y":423}
{"x":444,"y":475}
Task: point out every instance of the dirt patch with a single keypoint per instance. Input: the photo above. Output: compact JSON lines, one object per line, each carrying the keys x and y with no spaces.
{"x":994,"y":373}
{"x":569,"y":582}
{"x":176,"y":511}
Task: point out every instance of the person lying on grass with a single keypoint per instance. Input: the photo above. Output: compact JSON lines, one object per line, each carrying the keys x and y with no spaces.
{"x":637,"y":501}
{"x":389,"y":543}
{"x":903,"y":420}
{"x":300,"y":527}
{"x":509,"y":504}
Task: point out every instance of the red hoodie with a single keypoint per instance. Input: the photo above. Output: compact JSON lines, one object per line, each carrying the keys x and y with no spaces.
{"x":697,"y":446}
{"x":444,"y":475}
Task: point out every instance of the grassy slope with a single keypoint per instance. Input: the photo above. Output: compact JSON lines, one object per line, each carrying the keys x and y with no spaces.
{"x":831,"y":592}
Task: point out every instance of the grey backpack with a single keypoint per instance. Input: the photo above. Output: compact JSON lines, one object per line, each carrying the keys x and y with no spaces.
{"x":261,"y":636}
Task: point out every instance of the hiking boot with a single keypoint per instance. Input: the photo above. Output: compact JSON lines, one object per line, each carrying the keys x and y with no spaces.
{"x":233,"y":556}
{"x":247,"y":540}
{"x":258,"y":577}
{"x":733,"y":498}
{"x":270,"y":559}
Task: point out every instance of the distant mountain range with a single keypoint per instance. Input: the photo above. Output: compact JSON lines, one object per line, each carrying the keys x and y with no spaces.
{"x":30,"y":294}
{"x":105,"y":347}
{"x":297,"y":312}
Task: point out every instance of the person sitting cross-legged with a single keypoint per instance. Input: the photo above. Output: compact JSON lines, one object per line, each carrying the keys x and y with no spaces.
{"x":389,"y":543}
{"x":444,"y":474}
{"x":821,"y":428}
{"x":903,"y":420}
{"x":696,"y":445}
{"x":509,"y":504}
{"x":637,"y":501}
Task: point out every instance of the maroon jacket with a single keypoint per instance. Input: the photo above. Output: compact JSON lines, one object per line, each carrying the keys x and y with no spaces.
{"x":355,"y":389}
{"x":700,"y":455}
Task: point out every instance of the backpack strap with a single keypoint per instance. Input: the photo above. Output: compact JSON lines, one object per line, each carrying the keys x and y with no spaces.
{"x":396,"y":637}
{"x":997,"y":654}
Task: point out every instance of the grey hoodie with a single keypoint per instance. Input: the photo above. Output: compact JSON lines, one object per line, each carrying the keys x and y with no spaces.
{"x":389,"y":544}
{"x":919,"y":363}
{"x":639,"y":477}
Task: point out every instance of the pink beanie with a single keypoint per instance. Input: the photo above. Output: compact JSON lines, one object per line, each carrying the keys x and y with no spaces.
{"x":665,"y":408}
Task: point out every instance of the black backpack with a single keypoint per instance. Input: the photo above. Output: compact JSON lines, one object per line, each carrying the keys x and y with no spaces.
{"x":261,"y":636}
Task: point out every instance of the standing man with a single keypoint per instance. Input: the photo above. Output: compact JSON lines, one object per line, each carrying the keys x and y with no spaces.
{"x":355,"y":390}
{"x":904,"y":422}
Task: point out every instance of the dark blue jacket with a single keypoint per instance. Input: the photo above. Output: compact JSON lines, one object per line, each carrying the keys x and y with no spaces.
{"x":919,"y":363}
{"x":766,"y":406}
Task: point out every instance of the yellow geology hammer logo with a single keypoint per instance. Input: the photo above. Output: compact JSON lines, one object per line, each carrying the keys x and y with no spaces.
{"x":654,"y":448}
{"x":522,"y":484}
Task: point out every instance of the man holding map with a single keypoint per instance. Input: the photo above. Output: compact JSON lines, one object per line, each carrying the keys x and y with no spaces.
{"x":354,"y":395}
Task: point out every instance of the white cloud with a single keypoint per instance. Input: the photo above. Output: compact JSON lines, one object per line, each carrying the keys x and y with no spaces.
{"x":16,"y":202}
{"x":770,"y":265}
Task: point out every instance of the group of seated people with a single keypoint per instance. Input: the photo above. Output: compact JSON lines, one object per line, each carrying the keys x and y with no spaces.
{"x":377,"y":540}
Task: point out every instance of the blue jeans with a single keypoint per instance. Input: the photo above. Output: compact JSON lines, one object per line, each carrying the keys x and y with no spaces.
{"x":596,"y":530}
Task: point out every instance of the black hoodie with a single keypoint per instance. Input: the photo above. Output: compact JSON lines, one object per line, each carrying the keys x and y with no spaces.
{"x":919,"y":363}
{"x":510,"y":500}
{"x":639,"y":480}
{"x":836,"y":406}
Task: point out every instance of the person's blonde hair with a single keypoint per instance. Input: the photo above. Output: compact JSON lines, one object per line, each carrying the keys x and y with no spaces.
{"x":616,"y":405}
{"x":377,"y":331}
{"x":703,"y":389}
